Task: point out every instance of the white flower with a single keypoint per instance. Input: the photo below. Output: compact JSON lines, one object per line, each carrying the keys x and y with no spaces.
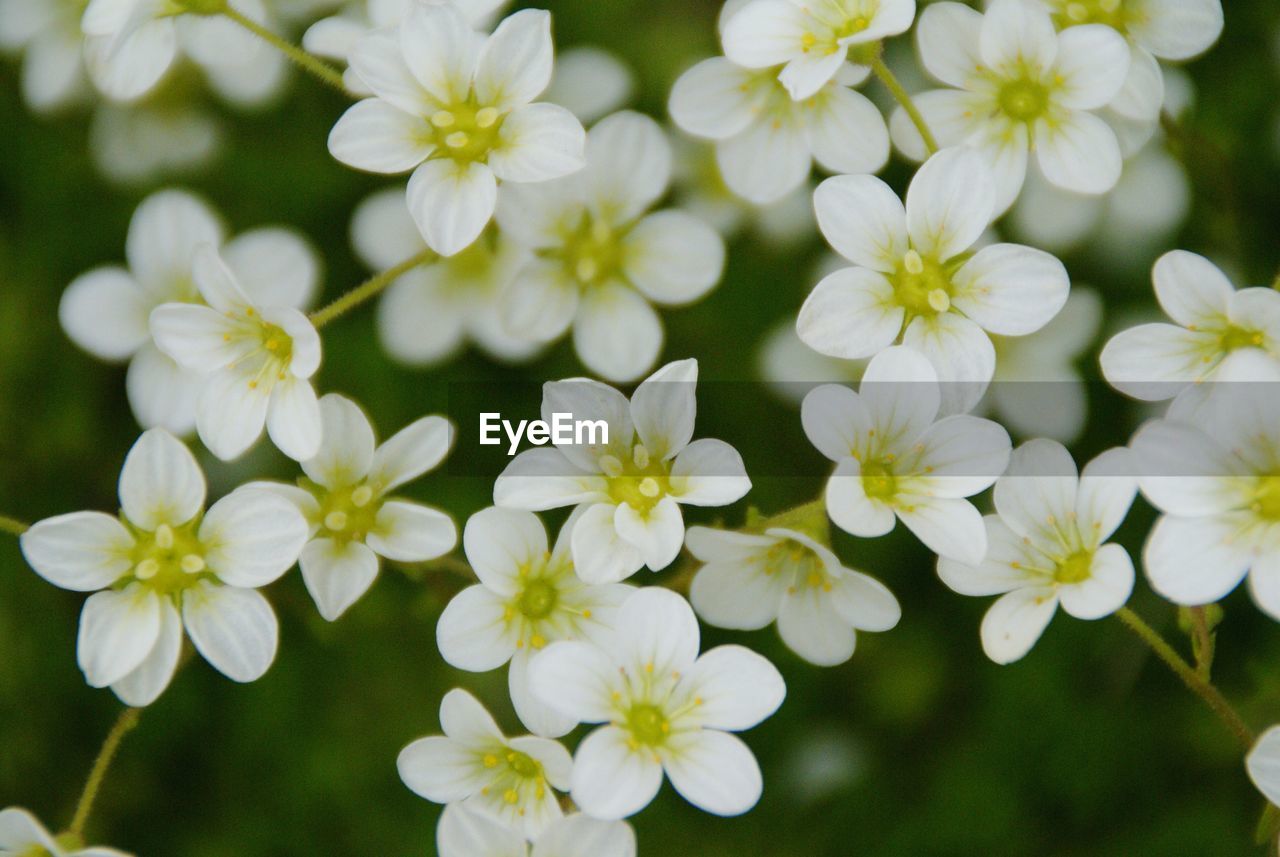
{"x":527,"y":597}
{"x":766,"y":142}
{"x":257,"y":359}
{"x":1019,"y":87}
{"x":166,"y":563}
{"x":590,"y":83}
{"x":428,"y":313}
{"x":139,"y":144}
{"x":1047,"y":546}
{"x":792,"y":368}
{"x":464,"y":833}
{"x":811,"y":38}
{"x":1155,"y":29}
{"x":1213,"y":325}
{"x":454,"y":107}
{"x":22,"y":835}
{"x":1038,"y":390}
{"x":914,"y":280}
{"x":751,"y":579}
{"x":130,"y":44}
{"x":1263,"y":764}
{"x":632,"y":486}
{"x":893,"y":460}
{"x":665,"y":709}
{"x":346,"y":501}
{"x":1217,"y":481}
{"x":107,"y":311}
{"x":47,"y":33}
{"x":511,"y":780}
{"x":599,"y":259}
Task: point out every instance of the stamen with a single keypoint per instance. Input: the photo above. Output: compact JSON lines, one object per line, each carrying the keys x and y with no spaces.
{"x":940,"y":300}
{"x":361,"y":496}
{"x":193,"y":563}
{"x":442,"y":119}
{"x":336,"y":521}
{"x":485,"y":117}
{"x":640,"y":455}
{"x":146,"y":569}
{"x":913,"y":263}
{"x":649,"y":487}
{"x":457,"y":140}
{"x":164,"y":537}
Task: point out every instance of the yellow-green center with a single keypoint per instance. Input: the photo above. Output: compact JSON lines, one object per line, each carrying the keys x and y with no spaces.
{"x":1024,"y":99}
{"x":648,"y":725}
{"x":1075,"y":568}
{"x":1112,"y":13}
{"x":1266,"y":498}
{"x":921,"y":286}
{"x":591,"y":251}
{"x":1239,"y":337}
{"x":168,"y":559}
{"x":465,"y":131}
{"x":878,"y":481}
{"x":640,"y":481}
{"x":538,"y":599}
{"x":346,"y":514}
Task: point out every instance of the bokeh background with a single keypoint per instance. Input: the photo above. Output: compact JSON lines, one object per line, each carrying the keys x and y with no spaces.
{"x":918,"y":746}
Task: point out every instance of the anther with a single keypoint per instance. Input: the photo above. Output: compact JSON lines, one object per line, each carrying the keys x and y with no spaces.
{"x":336,"y":521}
{"x":361,"y":496}
{"x":640,"y":455}
{"x":649,"y":487}
{"x":164,"y":537}
{"x":457,"y":140}
{"x":146,"y":569}
{"x":442,"y":119}
{"x":913,"y":263}
{"x":939,"y":300}
{"x":485,"y":117}
{"x":192,"y":563}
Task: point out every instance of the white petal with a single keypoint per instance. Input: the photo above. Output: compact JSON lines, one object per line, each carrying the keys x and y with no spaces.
{"x":419,"y":322}
{"x":20,"y":830}
{"x":600,"y":555}
{"x":407,"y":532}
{"x":452,"y":203}
{"x":1094,"y":60}
{"x":847,"y":133}
{"x":808,"y":72}
{"x":709,"y":472}
{"x":765,"y":33}
{"x":610,"y":780}
{"x":617,"y":334}
{"x":736,"y":595}
{"x":1014,"y":623}
{"x":337,"y":574}
{"x":375,"y":136}
{"x":82,"y":551}
{"x":538,"y":717}
{"x":1107,"y":488}
{"x":1142,"y":95}
{"x":252,"y":536}
{"x":541,"y":302}
{"x":715,"y":771}
{"x":473,"y":633}
{"x":947,"y":37}
{"x":948,"y":527}
{"x":105,"y":312}
{"x":117,"y":632}
{"x":590,"y":82}
{"x":537,"y":143}
{"x":441,"y":50}
{"x":144,"y":685}
{"x":673,"y":258}
{"x":464,"y":832}
{"x":1106,"y":590}
{"x":500,"y":543}
{"x":1264,"y":585}
{"x":863,"y":219}
{"x":411,"y":452}
{"x":216,"y":282}
{"x":865,"y":602}
{"x":293,"y":419}
{"x":1037,"y":495}
{"x":165,"y":232}
{"x":515,"y":64}
{"x":195,"y":337}
{"x":230,"y":415}
{"x":347,"y":451}
{"x":658,"y":533}
{"x":576,"y":679}
{"x":849,"y":506}
{"x":738,"y":688}
{"x":441,"y":770}
{"x":766,"y":161}
{"x":376,"y":59}
{"x":715,"y":99}
{"x":900,"y":391}
{"x":1178,"y":29}
{"x":540,"y":479}
{"x":160,"y":482}
{"x":961,"y":353}
{"x":1263,"y":764}
{"x":835,"y":420}
{"x":1154,"y":362}
{"x":590,"y":400}
{"x":950,"y":203}
{"x":951,"y":115}
{"x":1191,"y":289}
{"x":126,"y":66}
{"x":1079,"y":153}
{"x":1003,"y":569}
{"x":1017,"y":33}
{"x":664,"y":408}
{"x":1183,"y":470}
{"x":810,"y":626}
{"x":657,"y":627}
{"x":582,"y":836}
{"x":852,"y":313}
{"x":1010,"y":289}
{"x":628,"y":166}
{"x":382,"y":232}
{"x":1195,"y":561}
{"x":234,"y":629}
{"x":276,"y":267}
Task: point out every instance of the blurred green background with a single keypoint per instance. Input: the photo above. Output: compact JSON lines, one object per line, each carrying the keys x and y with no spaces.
{"x":918,"y":746}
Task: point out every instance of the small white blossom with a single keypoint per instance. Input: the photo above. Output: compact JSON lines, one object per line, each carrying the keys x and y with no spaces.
{"x":893,"y":460}
{"x":1213,"y":326}
{"x":811,"y":39}
{"x":1047,"y":546}
{"x":599,"y":259}
{"x":1020,"y":87}
{"x":47,"y":34}
{"x":915,"y":280}
{"x":454,"y":107}
{"x":527,"y":597}
{"x":428,"y":313}
{"x":464,"y":833}
{"x":22,"y":835}
{"x":1263,"y":764}
{"x":346,"y":500}
{"x":633,"y":485}
{"x":257,"y":359}
{"x":590,"y":82}
{"x":141,"y":144}
{"x":665,"y":708}
{"x":164,"y":564}
{"x":752,"y":579}
{"x":511,"y":780}
{"x":107,"y":311}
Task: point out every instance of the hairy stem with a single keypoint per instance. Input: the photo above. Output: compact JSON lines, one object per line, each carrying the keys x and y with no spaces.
{"x":12,"y":526}
{"x":314,"y":66}
{"x":900,"y":94}
{"x":1196,"y":683}
{"x":368,"y":290}
{"x":124,"y":724}
{"x":1203,"y":642}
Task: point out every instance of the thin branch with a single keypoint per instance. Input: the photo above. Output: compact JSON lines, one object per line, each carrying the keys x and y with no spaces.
{"x":368,"y":290}
{"x":314,"y":66}
{"x":127,"y":721}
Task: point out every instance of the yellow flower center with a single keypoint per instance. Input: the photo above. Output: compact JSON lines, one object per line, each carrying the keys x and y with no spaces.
{"x":1076,"y":568}
{"x":1112,"y":13}
{"x":921,"y":286}
{"x":538,"y":599}
{"x":591,"y":252}
{"x":640,"y":481}
{"x":1239,"y":337}
{"x":1266,"y":498}
{"x":169,"y":559}
{"x":1024,"y":99}
{"x":878,"y":481}
{"x":346,"y":514}
{"x":465,"y":131}
{"x":648,"y":725}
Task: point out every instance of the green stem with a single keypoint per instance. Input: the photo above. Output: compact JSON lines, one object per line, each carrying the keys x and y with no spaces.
{"x":1190,"y":677}
{"x":904,"y":98}
{"x":1203,"y":642}
{"x":124,"y":724}
{"x":12,"y":526}
{"x":368,"y":289}
{"x":315,"y":67}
